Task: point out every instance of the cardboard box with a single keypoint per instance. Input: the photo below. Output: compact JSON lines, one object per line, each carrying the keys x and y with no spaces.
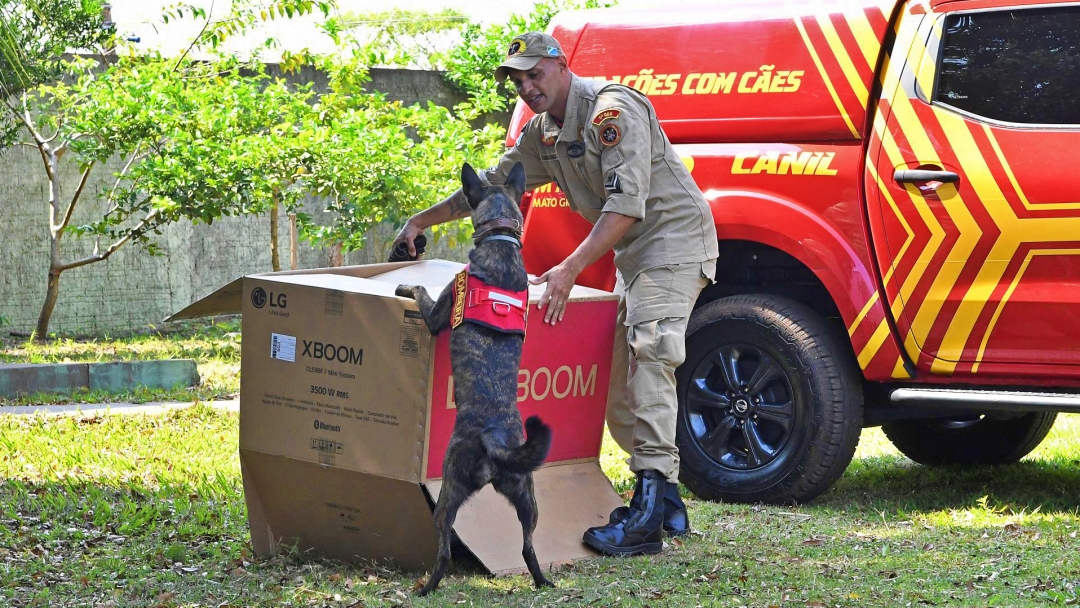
{"x":346,"y":409}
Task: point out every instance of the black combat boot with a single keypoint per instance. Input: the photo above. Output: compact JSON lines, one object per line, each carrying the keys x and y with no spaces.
{"x":643,"y":530}
{"x":676,"y":522}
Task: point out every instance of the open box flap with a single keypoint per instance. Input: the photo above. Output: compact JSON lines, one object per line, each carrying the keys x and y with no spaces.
{"x":570,"y":497}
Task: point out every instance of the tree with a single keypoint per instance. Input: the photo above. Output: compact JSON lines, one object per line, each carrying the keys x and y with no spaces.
{"x":373,"y":160}
{"x":34,"y":35}
{"x":183,"y":131}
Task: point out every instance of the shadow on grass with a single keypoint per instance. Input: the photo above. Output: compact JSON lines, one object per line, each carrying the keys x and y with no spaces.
{"x":893,"y":483}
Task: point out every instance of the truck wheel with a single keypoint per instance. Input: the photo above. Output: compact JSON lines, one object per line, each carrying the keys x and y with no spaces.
{"x":969,"y":440}
{"x":770,"y":402}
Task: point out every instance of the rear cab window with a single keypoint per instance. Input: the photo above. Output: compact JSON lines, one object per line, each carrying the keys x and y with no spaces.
{"x":1019,"y":66}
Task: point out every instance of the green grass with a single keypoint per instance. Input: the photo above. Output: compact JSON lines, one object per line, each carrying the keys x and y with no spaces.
{"x":148,"y":511}
{"x":214,"y":345}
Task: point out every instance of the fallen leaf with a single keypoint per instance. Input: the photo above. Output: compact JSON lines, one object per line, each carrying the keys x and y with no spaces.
{"x":814,"y":542}
{"x":333,"y":578}
{"x":816,"y":605}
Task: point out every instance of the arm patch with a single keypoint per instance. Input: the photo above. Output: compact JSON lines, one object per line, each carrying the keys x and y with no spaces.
{"x":608,"y":114}
{"x":610,"y":135}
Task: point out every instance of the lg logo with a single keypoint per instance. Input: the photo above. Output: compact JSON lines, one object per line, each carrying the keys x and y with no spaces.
{"x":259,"y":298}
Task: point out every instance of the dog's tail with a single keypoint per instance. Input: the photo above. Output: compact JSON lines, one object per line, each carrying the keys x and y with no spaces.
{"x":525,"y":458}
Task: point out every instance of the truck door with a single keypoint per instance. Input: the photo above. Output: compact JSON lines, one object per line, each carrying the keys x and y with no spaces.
{"x":974,"y":163}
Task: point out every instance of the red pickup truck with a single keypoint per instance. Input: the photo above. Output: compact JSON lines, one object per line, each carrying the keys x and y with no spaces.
{"x":896,"y":189}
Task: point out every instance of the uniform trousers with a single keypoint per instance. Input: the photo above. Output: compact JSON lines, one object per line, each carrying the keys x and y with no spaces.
{"x":650,"y":342}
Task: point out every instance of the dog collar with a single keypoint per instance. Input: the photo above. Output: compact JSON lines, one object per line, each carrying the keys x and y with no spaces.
{"x":502,"y":223}
{"x":498,"y":237}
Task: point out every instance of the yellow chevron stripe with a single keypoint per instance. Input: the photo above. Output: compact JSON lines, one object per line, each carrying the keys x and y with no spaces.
{"x":862,"y":314}
{"x":864,"y":36}
{"x":927,"y":66}
{"x":1008,"y":294}
{"x":874,"y":345}
{"x":843,"y":58}
{"x":899,"y":216}
{"x":903,"y":249}
{"x":969,"y":230}
{"x":1012,"y":178}
{"x":986,"y":281}
{"x":891,"y":85}
{"x":825,"y":77}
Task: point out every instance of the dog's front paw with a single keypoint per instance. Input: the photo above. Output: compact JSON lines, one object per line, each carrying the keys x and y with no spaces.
{"x":406,"y":291}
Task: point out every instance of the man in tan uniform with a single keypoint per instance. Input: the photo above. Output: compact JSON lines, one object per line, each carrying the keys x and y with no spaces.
{"x":602,"y":144}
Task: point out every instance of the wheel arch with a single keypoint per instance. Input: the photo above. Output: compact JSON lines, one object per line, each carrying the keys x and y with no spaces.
{"x":769,"y":244}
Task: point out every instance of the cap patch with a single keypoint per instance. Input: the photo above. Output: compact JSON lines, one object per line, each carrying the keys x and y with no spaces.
{"x":517,"y":47}
{"x":610,"y":135}
{"x":609,"y":114}
{"x":552,"y":51}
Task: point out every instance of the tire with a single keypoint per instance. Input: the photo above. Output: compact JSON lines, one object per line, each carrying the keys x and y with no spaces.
{"x":970,"y":440}
{"x":807,"y":398}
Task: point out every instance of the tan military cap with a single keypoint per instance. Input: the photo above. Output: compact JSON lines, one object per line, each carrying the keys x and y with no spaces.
{"x":525,"y":51}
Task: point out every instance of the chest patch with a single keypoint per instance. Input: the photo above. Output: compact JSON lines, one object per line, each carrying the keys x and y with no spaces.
{"x":479,"y":303}
{"x":609,"y":114}
{"x":575,"y":150}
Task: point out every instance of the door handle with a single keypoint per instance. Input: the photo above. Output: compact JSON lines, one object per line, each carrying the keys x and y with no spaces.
{"x":907,"y":176}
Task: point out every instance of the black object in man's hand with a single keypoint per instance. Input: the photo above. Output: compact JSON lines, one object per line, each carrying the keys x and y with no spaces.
{"x":400,"y":253}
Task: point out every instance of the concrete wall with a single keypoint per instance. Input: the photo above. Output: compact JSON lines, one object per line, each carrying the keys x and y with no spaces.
{"x":132,"y":289}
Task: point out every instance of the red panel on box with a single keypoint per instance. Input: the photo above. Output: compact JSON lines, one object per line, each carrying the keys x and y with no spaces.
{"x":563,"y":379}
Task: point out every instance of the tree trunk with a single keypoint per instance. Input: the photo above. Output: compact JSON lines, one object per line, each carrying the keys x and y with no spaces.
{"x":336,"y":257}
{"x":51,"y":293}
{"x":56,"y":231}
{"x":294,"y":243}
{"x":275,"y":258}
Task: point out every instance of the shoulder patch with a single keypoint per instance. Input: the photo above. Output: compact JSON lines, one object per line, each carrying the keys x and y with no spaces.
{"x":610,"y":135}
{"x":608,"y":114}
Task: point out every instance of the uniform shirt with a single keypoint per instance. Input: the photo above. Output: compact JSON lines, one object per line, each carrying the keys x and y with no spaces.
{"x":611,"y":155}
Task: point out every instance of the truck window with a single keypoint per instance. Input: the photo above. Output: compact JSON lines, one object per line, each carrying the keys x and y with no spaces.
{"x":1018,"y":66}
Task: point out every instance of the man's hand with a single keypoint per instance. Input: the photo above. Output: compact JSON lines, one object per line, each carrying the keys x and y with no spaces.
{"x":409,"y":244}
{"x":560,"y":280}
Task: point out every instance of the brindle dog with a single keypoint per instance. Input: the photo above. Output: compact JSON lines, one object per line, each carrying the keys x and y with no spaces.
{"x":487,"y":444}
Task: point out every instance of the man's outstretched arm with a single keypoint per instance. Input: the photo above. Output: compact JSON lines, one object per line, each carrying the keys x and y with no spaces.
{"x":454,"y":207}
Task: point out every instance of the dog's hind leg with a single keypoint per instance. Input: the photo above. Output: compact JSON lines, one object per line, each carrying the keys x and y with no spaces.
{"x":518,"y":489}
{"x":459,"y":483}
{"x":451,"y":497}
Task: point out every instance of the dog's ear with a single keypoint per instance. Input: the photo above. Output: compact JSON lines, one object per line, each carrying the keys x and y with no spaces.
{"x":471,"y":185}
{"x":515,"y":182}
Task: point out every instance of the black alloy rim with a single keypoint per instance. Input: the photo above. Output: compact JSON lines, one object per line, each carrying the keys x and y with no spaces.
{"x":740,"y":407}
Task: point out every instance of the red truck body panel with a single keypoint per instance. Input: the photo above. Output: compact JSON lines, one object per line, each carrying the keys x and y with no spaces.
{"x":771,"y":106}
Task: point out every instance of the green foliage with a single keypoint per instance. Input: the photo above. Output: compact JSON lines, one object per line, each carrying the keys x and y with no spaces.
{"x":470,"y":64}
{"x":190,"y":135}
{"x":34,"y":34}
{"x":376,"y":160}
{"x":242,"y":15}
{"x":402,"y":38}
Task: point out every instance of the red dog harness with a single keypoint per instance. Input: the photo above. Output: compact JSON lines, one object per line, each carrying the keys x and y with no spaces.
{"x":477,"y":302}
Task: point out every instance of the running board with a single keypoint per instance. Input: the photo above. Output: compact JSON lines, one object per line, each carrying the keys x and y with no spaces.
{"x":986,"y":400}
